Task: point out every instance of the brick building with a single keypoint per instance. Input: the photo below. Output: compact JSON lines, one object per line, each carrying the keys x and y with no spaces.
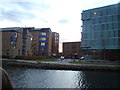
{"x":42,"y":41}
{"x":15,"y":41}
{"x":55,"y":44}
{"x":72,"y":50}
{"x":29,"y":41}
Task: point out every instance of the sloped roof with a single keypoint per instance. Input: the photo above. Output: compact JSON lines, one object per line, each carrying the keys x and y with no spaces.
{"x":17,"y":29}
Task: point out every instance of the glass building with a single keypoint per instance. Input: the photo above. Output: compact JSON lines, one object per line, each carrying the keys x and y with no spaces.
{"x":101,"y":32}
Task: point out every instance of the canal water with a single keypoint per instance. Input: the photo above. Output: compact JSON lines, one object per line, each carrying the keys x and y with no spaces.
{"x":39,"y":78}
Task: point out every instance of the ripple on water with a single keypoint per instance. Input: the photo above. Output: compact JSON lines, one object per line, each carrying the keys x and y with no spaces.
{"x":37,"y":78}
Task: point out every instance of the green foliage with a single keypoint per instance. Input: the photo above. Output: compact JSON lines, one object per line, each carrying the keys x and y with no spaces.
{"x":113,"y":64}
{"x":48,"y":60}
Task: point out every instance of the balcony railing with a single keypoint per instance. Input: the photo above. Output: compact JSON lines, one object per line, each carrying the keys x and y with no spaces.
{"x":43,"y":36}
{"x":42,"y":46}
{"x":23,"y":47}
{"x":24,"y":40}
{"x":43,"y":41}
{"x":13,"y":38}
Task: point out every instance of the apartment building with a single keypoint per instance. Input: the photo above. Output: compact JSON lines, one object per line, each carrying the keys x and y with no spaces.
{"x":42,"y":41}
{"x":72,"y":50}
{"x":15,"y":41}
{"x":27,"y":41}
{"x":101,"y":32}
{"x":55,"y":44}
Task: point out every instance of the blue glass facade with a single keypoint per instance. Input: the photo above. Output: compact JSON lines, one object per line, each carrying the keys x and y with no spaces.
{"x":100,"y":28}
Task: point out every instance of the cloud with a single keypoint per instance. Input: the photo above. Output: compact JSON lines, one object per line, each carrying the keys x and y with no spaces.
{"x":18,"y":11}
{"x":15,"y":15}
{"x":42,"y":6}
{"x":63,"y":21}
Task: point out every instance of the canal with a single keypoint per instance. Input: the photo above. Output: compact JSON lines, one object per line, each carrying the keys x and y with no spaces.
{"x":39,"y":78}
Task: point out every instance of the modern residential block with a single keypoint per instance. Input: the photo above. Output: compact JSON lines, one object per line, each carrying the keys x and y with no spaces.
{"x":29,"y":41}
{"x":15,"y":41}
{"x":101,"y":32}
{"x":42,"y":41}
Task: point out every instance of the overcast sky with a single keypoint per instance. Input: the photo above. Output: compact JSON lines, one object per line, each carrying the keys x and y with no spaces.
{"x":62,"y":16}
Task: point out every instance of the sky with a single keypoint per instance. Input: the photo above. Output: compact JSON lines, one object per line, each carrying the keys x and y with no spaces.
{"x":62,"y":16}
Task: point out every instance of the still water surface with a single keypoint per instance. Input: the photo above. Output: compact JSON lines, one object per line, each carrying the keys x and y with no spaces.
{"x":38,"y":78}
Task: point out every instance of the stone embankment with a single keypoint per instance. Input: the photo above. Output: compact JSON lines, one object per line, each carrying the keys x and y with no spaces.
{"x":59,"y":66}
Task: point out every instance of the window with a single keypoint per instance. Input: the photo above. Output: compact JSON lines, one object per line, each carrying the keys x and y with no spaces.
{"x":8,"y":50}
{"x":12,"y":43}
{"x":107,"y":11}
{"x":118,"y":33}
{"x":106,"y":26}
{"x":101,"y":13}
{"x":113,"y":26}
{"x":43,"y":33}
{"x":94,"y":21}
{"x":101,"y":34}
{"x":34,"y":44}
{"x":100,"y":19}
{"x":12,"y":33}
{"x":28,"y":53}
{"x":15,"y":34}
{"x":118,"y":17}
{"x":84,"y":35}
{"x":95,"y":35}
{"x":31,"y":38}
{"x":93,"y":43}
{"x":103,"y":26}
{"x":18,"y":52}
{"x":42,"y":44}
{"x":73,"y":46}
{"x":43,"y":39}
{"x":109,"y":34}
{"x":118,"y":41}
{"x":43,"y":49}
{"x":95,"y":13}
{"x":114,"y":33}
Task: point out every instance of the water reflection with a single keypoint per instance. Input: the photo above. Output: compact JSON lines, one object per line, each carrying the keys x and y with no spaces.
{"x":37,"y":78}
{"x":101,"y":79}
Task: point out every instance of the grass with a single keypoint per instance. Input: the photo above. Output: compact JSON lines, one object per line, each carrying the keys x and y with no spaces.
{"x":47,"y":60}
{"x":95,"y":63}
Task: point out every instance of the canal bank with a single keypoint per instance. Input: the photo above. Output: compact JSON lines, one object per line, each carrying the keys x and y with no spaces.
{"x":59,"y":66}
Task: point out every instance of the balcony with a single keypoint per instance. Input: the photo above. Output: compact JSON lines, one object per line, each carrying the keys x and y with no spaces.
{"x":42,"y":46}
{"x":13,"y":38}
{"x":24,"y":47}
{"x":43,"y":41}
{"x":24,"y":40}
{"x":41,"y":36}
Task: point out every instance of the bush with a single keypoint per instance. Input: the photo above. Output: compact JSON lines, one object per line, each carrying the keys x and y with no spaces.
{"x":20,"y":57}
{"x":36,"y":57}
{"x":5,"y":56}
